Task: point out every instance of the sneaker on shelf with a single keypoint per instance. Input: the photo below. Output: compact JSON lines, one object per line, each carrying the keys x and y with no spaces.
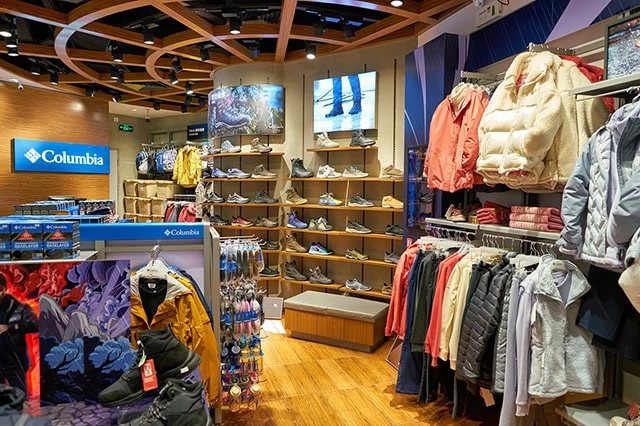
{"x":240,"y":221}
{"x":358,"y":201}
{"x":172,"y":360}
{"x":391,"y":172}
{"x":394,"y":230}
{"x":455,"y":213}
{"x":298,"y":170}
{"x":228,"y":147}
{"x":319,"y":249}
{"x":265,"y":222}
{"x":356,"y":284}
{"x":270,"y":245}
{"x":356,"y":254}
{"x":313,"y":224}
{"x":359,"y":139}
{"x":323,"y":141}
{"x":210,"y":149}
{"x":234,"y":173}
{"x":257,"y":146}
{"x":260,"y":171}
{"x":217,"y":173}
{"x":293,"y":246}
{"x":328,"y":200}
{"x":388,"y":202}
{"x":293,"y":197}
{"x":320,"y":224}
{"x":355,"y":227}
{"x":219,"y":220}
{"x":387,"y":289}
{"x":215,"y":198}
{"x":206,"y":173}
{"x":392,"y":257}
{"x":353,"y":172}
{"x":269,"y":272}
{"x":263,"y":198}
{"x":291,"y":272}
{"x":328,"y":172}
{"x":237,"y":199}
{"x":179,"y":403}
{"x":293,"y":221}
{"x":317,"y":277}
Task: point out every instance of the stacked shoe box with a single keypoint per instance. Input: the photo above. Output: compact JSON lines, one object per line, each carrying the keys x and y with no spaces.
{"x":38,"y":240}
{"x":5,"y":241}
{"x":61,"y":240}
{"x":26,"y":241}
{"x":41,"y":208}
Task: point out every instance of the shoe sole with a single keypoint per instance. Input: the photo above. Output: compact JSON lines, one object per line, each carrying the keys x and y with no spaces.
{"x":388,"y":206}
{"x":357,"y":289}
{"x":320,"y":254}
{"x":391,"y":234}
{"x":355,"y":231}
{"x":357,"y":205}
{"x":289,"y":277}
{"x":355,"y":257}
{"x":355,"y":177}
{"x":390,"y":261}
{"x":262,"y":177}
{"x":297,"y":203}
{"x":242,"y":226}
{"x":295,"y":227}
{"x":261,"y":152}
{"x":295,"y":251}
{"x":270,"y":276}
{"x":320,"y":282}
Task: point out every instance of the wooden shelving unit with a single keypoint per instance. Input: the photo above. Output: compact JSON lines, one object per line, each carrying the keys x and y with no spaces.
{"x":231,"y":180}
{"x":341,"y":179}
{"x":240,"y":154}
{"x":343,"y":149}
{"x":336,"y":233}
{"x":371,"y":293}
{"x":376,"y":208}
{"x":310,"y":284}
{"x":255,"y":228}
{"x":342,"y":258}
{"x":225,"y":204}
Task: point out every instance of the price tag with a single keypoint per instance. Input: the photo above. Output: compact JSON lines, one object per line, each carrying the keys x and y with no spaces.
{"x":149,"y":377}
{"x":488,"y":397}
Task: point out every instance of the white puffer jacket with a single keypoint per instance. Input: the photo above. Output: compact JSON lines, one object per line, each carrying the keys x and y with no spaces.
{"x":630,"y":278}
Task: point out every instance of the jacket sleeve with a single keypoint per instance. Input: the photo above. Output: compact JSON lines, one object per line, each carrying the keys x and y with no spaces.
{"x":523,"y":348}
{"x":625,"y":217}
{"x":24,"y":322}
{"x":574,"y":203}
{"x":471,"y":148}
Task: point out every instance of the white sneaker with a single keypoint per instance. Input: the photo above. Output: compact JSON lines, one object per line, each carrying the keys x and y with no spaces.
{"x":327,"y":172}
{"x":323,"y":141}
{"x":354,"y":172}
{"x":227,"y":146}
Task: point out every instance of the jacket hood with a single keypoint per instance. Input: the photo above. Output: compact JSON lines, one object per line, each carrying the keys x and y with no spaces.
{"x":532,"y":66}
{"x":619,"y":120}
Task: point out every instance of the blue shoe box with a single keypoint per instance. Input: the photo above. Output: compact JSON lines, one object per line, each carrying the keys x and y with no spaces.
{"x":26,"y":241}
{"x":5,"y":242}
{"x":61,"y":240}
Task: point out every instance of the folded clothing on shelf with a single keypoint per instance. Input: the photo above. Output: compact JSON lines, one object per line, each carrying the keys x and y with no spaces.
{"x":536,"y":218}
{"x":549,"y":227}
{"x":493,"y":213}
{"x":536,"y":210}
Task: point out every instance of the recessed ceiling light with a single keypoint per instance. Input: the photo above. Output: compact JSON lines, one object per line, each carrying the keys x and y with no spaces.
{"x":396,"y":3}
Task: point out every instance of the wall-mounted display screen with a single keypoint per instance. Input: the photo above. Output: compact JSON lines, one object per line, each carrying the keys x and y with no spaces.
{"x":345,"y":103}
{"x":623,"y":48}
{"x":256,"y":109}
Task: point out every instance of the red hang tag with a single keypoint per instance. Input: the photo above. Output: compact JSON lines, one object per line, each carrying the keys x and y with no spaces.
{"x":149,"y":377}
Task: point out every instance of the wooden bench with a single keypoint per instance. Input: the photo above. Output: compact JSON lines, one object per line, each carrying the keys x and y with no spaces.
{"x":336,"y":320}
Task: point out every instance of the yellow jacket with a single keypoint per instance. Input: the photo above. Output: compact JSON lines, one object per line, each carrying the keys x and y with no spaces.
{"x":188,"y":168}
{"x":189,"y":322}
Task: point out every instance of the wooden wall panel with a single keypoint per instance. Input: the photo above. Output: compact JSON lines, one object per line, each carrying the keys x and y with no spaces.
{"x":51,"y":116}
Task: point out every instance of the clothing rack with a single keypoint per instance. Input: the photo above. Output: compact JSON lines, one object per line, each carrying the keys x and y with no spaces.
{"x":184,"y":197}
{"x":471,"y":75}
{"x":553,"y":49}
{"x":629,"y":90}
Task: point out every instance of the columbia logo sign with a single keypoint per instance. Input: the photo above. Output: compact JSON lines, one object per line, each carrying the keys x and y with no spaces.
{"x":182,"y":232}
{"x":42,"y":156}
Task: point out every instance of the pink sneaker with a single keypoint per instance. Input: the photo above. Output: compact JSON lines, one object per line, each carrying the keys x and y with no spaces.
{"x":239,"y":221}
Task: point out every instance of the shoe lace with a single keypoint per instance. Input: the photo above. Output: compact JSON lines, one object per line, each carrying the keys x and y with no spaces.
{"x":159,"y":404}
{"x":135,"y":365}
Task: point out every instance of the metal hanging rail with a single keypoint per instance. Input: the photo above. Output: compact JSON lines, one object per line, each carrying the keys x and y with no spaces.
{"x":553,"y":49}
{"x":481,"y":76}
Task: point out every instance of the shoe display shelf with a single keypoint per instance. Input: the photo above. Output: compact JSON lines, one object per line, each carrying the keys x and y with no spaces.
{"x":374,"y":272}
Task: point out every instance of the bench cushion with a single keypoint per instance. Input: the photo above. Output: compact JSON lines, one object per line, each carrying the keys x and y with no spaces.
{"x":338,"y":306}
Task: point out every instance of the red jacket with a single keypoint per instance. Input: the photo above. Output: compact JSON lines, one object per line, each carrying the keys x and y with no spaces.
{"x":453,"y":142}
{"x":396,"y":319}
{"x":594,"y":74}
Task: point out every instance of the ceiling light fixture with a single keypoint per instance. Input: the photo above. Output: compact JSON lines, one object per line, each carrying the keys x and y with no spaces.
{"x":116,"y":52}
{"x":13,"y":51}
{"x":204,"y":54}
{"x":53,"y":78}
{"x":349,"y":32}
{"x":35,"y":69}
{"x":11,"y":41}
{"x":147,"y":34}
{"x":115,"y":73}
{"x":311,"y":51}
{"x":202,"y":101}
{"x":90,"y":91}
{"x":6,"y":28}
{"x":396,"y":3}
{"x":156,"y":106}
{"x":116,"y":98}
{"x":319,"y":25}
{"x":187,"y":100}
{"x":188,"y":88}
{"x":235,"y":25}
{"x":175,"y":64}
{"x":254,"y":50}
{"x":120,"y":78}
{"x":173,"y":78}
{"x":183,"y":108}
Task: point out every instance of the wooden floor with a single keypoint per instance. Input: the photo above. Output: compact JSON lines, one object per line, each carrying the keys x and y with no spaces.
{"x":307,"y":383}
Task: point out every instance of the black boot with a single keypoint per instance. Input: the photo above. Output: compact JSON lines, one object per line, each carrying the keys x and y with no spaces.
{"x":171,"y":360}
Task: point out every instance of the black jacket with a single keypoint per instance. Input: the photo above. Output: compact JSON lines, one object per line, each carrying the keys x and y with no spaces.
{"x":21,"y":320}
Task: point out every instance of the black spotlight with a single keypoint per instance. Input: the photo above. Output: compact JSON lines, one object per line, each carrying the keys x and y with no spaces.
{"x":235,"y":25}
{"x":204,"y":54}
{"x":187,"y":100}
{"x":254,"y":50}
{"x":319,"y":25}
{"x":349,"y":32}
{"x":6,"y":28}
{"x":116,"y":52}
{"x":311,"y":51}
{"x":120,"y":77}
{"x":11,"y":41}
{"x":35,"y":69}
{"x":116,"y":98}
{"x":90,"y":92}
{"x":202,"y":101}
{"x":175,"y":64}
{"x":148,"y":35}
{"x":115,"y":73}
{"x":13,"y":51}
{"x":53,"y":78}
{"x":183,"y":109}
{"x":156,"y":106}
{"x":188,"y":88}
{"x":173,"y":78}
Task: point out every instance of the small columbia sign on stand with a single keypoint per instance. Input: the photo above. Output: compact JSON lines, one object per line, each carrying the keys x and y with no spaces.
{"x":198,"y":131}
{"x":57,"y":157}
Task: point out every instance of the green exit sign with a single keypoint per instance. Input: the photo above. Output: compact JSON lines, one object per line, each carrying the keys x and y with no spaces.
{"x":125,"y":128}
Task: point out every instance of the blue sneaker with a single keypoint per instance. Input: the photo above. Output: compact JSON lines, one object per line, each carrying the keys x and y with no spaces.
{"x":217,"y":173}
{"x":293,"y":221}
{"x":328,"y":200}
{"x":319,"y":249}
{"x":237,"y":173}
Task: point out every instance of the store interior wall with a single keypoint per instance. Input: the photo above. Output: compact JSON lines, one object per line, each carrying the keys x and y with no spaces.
{"x":50,"y":116}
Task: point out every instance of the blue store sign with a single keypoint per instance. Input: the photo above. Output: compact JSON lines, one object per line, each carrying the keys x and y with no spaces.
{"x":42,"y":156}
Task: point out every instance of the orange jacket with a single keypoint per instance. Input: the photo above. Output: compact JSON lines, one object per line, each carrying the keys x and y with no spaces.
{"x":453,"y":142}
{"x":189,"y":322}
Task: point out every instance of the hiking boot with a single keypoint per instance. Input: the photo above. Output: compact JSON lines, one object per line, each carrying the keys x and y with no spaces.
{"x":215,"y":198}
{"x":217,"y":173}
{"x":358,"y":201}
{"x":293,"y":246}
{"x":11,"y":399}
{"x":263,"y":198}
{"x":391,"y":172}
{"x":261,"y":171}
{"x":240,"y":221}
{"x":319,"y":249}
{"x":328,"y":172}
{"x":257,"y":146}
{"x":219,"y":220}
{"x":359,"y":139}
{"x":228,"y":147}
{"x":388,"y":202}
{"x":291,"y":272}
{"x":178,"y":404}
{"x":237,"y":174}
{"x":386,"y":289}
{"x":394,"y":230}
{"x":328,"y":200}
{"x":293,"y":197}
{"x":455,"y":214}
{"x":356,"y":284}
{"x":356,"y":254}
{"x":317,"y":277}
{"x":236,"y":198}
{"x":293,"y":221}
{"x":270,"y":245}
{"x":323,"y":141}
{"x":268,"y":272}
{"x":298,"y":170}
{"x":392,"y":257}
{"x":265,"y":222}
{"x":171,"y":359}
{"x":320,"y":224}
{"x":356,"y":227}
{"x":354,"y":173}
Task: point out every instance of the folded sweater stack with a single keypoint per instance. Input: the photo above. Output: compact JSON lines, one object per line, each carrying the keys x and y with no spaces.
{"x":536,"y":218}
{"x":493,"y":213}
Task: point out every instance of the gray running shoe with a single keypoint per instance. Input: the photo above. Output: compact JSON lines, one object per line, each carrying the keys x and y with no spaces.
{"x":268,"y":272}
{"x":257,"y":146}
{"x":356,"y":284}
{"x":358,"y":201}
{"x":270,"y":245}
{"x":260,"y":171}
{"x":291,"y":272}
{"x":320,"y":224}
{"x":352,"y":172}
{"x":356,"y":254}
{"x":392,"y":257}
{"x":263,"y":198}
{"x":387,"y":289}
{"x":356,"y":227}
{"x":298,"y":170}
{"x":219,"y":220}
{"x":227,"y":146}
{"x":237,"y":199}
{"x":316,"y":276}
{"x":394,"y":230}
{"x":266,"y":222}
{"x":237,"y":174}
{"x":215,"y":198}
{"x":359,"y":139}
